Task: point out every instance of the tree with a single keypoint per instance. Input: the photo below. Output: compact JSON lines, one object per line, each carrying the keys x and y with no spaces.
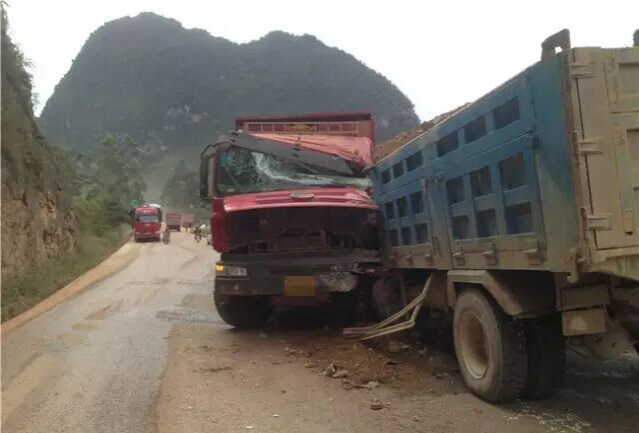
{"x":116,"y":178}
{"x":181,"y":188}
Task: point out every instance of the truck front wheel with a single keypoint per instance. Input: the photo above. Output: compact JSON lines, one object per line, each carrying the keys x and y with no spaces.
{"x":243,"y":312}
{"x":490,"y":347}
{"x":546,"y":357}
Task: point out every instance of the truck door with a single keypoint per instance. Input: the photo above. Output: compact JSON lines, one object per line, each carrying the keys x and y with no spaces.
{"x":605,"y":105}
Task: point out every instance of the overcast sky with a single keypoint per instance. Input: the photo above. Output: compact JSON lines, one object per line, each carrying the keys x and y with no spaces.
{"x":439,"y":53}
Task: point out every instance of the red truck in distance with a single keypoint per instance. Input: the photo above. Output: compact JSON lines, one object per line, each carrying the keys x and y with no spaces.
{"x":147,"y":223}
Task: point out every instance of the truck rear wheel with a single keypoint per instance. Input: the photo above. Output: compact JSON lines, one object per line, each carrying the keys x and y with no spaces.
{"x":546,"y":357}
{"x":490,"y":347}
{"x":243,"y":312}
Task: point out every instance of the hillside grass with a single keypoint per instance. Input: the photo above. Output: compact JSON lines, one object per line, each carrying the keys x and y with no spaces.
{"x":23,"y":292}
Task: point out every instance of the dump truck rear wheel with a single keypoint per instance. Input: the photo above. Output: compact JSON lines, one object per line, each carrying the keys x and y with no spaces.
{"x":546,"y":357}
{"x":243,"y":312}
{"x":490,"y":347}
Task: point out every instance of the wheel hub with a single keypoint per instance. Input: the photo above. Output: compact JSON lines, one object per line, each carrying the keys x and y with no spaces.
{"x":474,"y":345}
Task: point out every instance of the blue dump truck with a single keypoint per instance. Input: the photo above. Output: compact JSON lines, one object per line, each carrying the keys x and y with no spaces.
{"x":519,"y":216}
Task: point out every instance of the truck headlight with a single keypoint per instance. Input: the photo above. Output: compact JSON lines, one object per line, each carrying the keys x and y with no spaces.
{"x":230,"y":271}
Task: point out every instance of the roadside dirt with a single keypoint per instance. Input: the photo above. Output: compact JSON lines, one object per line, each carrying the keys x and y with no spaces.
{"x":274,"y":380}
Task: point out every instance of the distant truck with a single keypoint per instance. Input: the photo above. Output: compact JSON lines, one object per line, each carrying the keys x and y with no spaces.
{"x":292,"y":212}
{"x":519,"y":216}
{"x":174,"y":221}
{"x":188,"y":219}
{"x":147,"y":223}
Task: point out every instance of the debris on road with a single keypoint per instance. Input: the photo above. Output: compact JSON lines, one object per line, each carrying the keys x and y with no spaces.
{"x":396,"y":346}
{"x":376,"y":405}
{"x":348,"y":384}
{"x":372,"y":384}
{"x":330,"y":370}
{"x":340,"y":373}
{"x":216,"y":369}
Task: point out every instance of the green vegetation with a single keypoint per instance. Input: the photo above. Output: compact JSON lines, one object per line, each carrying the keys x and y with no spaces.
{"x":99,"y":188}
{"x":181,"y":189}
{"x":171,"y":88}
{"x":15,"y":66}
{"x":113,"y":180}
{"x":62,"y":213}
{"x":157,"y":171}
{"x":26,"y":290}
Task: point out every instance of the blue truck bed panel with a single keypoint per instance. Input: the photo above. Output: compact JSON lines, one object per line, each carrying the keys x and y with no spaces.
{"x":502,"y":184}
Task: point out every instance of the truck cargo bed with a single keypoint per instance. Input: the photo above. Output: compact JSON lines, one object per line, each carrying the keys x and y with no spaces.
{"x":540,"y":174}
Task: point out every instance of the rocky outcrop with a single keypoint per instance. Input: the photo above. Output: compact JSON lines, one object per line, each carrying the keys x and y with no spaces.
{"x":37,"y":219}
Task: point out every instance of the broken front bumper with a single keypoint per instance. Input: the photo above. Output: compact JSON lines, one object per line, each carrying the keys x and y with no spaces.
{"x":310,"y":275}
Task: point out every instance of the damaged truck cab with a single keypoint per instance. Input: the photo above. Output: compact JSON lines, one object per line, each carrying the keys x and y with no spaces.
{"x":292,"y":212}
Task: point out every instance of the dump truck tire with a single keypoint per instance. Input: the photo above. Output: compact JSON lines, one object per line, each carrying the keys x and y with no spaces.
{"x":546,"y":357}
{"x":490,"y":348}
{"x":243,"y":312}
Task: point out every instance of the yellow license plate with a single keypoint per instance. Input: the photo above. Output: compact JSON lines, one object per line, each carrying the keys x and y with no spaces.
{"x":299,"y":286}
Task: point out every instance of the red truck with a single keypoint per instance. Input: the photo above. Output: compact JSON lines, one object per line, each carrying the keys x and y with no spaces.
{"x":292,"y":213}
{"x":147,"y":223}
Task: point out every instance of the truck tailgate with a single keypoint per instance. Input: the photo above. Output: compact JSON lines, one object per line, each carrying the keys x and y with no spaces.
{"x":605,"y":102}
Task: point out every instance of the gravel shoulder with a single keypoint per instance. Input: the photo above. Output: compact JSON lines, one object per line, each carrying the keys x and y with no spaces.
{"x":218,"y":379}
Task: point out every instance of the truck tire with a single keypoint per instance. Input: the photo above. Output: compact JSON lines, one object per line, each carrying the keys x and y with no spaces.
{"x":243,"y":312}
{"x":546,"y":357}
{"x":490,"y":348}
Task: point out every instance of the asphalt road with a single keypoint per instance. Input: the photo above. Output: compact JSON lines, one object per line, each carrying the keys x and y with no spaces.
{"x":145,"y":351}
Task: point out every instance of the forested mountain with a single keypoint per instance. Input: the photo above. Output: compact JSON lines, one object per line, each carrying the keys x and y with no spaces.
{"x":167,"y":86}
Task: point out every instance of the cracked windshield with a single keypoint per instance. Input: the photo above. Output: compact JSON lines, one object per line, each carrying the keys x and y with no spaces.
{"x":243,"y":171}
{"x":321,"y":225}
